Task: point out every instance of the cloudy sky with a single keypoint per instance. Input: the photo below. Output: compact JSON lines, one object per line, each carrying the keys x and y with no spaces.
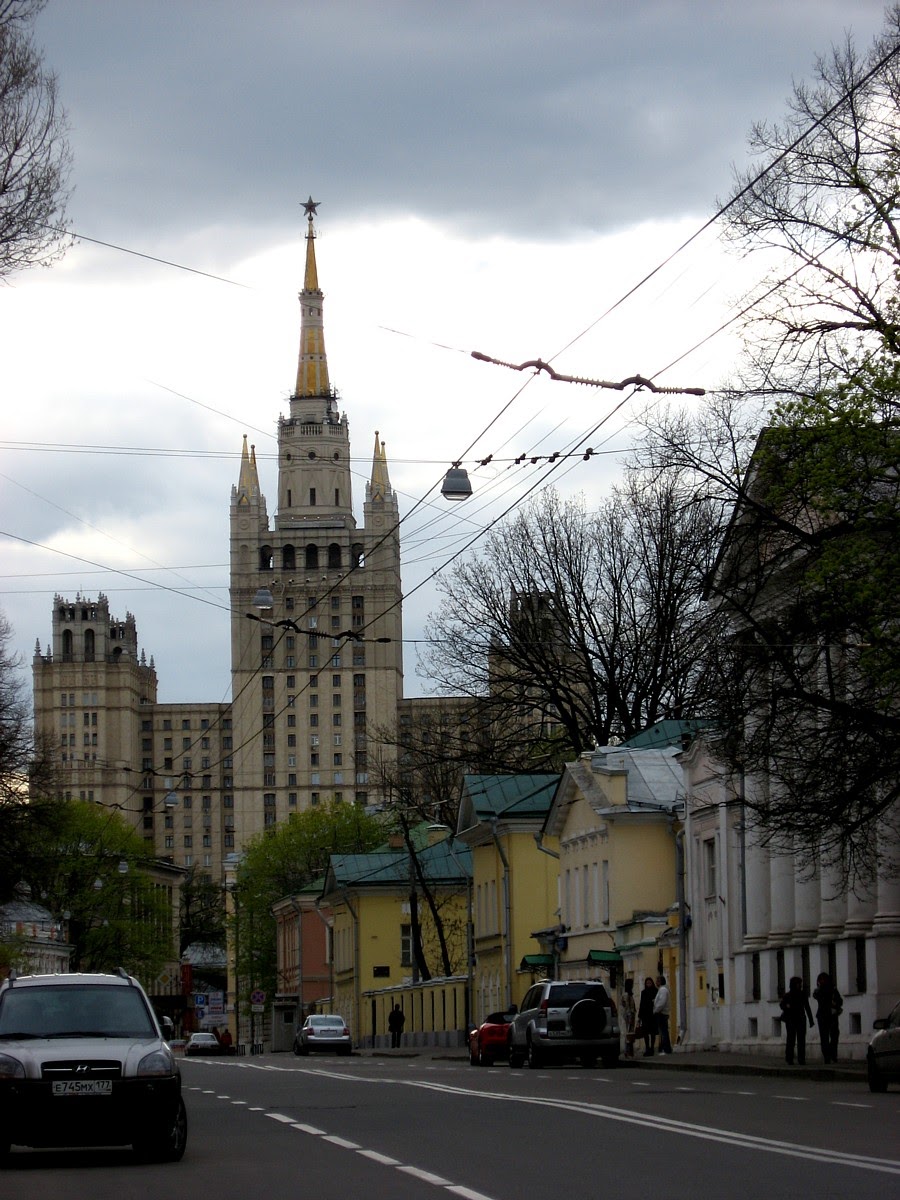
{"x":492,"y":176}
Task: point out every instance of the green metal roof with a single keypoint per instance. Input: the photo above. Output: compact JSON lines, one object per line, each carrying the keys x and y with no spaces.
{"x":669,"y":732}
{"x":536,"y":960}
{"x":390,"y":868}
{"x":510,"y":795}
{"x":608,"y":958}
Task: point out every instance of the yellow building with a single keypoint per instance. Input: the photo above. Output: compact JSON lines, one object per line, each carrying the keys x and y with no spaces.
{"x":376,"y":901}
{"x":514,"y":884}
{"x":618,"y":814}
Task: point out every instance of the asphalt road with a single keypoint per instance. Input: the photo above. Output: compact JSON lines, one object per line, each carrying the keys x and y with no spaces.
{"x":277,"y":1127}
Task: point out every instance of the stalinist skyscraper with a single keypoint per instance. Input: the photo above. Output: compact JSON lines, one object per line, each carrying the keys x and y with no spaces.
{"x":319,"y":676}
{"x":316,"y":677}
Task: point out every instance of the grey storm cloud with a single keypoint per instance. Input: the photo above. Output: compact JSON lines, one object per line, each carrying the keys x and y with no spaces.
{"x":509,"y":116}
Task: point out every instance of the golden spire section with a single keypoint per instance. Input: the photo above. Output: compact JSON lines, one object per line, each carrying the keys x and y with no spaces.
{"x":312,"y":368}
{"x":380,"y":486}
{"x":248,"y":480}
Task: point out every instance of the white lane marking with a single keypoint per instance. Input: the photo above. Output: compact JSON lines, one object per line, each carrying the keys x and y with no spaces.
{"x":339,"y":1141}
{"x":281,"y":1117}
{"x":239,"y":1102}
{"x":732,"y":1093}
{"x":425,"y":1176}
{"x":468,"y":1193}
{"x":788,"y":1097}
{"x":636,"y":1084}
{"x":848,"y":1104}
{"x":309,"y":1129}
{"x":708,"y":1133}
{"x":384,"y":1159}
{"x":684,"y":1089}
{"x":256,"y":1108}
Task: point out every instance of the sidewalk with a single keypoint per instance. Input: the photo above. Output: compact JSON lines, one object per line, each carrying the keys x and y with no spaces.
{"x":713,"y":1062}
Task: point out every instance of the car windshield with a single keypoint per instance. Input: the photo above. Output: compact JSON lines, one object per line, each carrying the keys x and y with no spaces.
{"x":74,"y":1011}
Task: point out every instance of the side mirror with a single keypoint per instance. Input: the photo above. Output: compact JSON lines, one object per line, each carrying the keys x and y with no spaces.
{"x":881,"y":1023}
{"x":168,"y":1028}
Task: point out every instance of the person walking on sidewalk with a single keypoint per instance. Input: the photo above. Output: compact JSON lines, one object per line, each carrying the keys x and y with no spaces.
{"x":629,"y":1016}
{"x":828,"y":1010}
{"x":396,"y":1021}
{"x":646,"y":1016}
{"x":661,"y":1012}
{"x":795,"y":1012}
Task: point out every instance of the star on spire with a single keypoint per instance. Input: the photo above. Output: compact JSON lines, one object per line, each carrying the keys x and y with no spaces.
{"x":311,"y":208}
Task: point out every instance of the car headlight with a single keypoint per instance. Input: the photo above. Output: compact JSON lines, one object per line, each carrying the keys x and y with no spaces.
{"x":157,"y":1064}
{"x":11,"y":1068}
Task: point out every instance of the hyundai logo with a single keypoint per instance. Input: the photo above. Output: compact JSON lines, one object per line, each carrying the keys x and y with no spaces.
{"x":82,"y":1069}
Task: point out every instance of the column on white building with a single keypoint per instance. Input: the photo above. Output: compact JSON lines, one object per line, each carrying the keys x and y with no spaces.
{"x":833,"y":903}
{"x":887,"y":914}
{"x":807,"y":899}
{"x":756,"y":884}
{"x":781,"y":892}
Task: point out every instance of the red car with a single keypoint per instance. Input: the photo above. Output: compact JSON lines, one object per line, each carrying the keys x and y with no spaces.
{"x":490,"y":1041}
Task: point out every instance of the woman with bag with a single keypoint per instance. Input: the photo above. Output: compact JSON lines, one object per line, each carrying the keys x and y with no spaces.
{"x":646,"y":1016}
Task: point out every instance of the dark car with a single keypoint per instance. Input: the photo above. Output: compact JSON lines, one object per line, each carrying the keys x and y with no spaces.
{"x":323,"y":1032}
{"x":883,"y":1054}
{"x":83,"y":1062}
{"x":489,"y":1043}
{"x":562,"y":1019}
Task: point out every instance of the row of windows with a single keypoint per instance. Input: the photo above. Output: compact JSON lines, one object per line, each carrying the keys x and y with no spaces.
{"x":147,"y":725}
{"x":67,"y":699}
{"x":311,"y":555}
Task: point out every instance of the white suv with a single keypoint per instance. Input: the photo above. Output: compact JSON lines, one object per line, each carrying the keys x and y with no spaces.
{"x":565,"y":1019}
{"x":83,"y":1062}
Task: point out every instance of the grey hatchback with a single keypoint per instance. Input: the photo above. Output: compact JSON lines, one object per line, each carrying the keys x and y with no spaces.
{"x":565,"y":1019}
{"x":83,"y":1062}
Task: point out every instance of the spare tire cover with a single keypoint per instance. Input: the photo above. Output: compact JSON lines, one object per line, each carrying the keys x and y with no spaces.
{"x":587,"y":1019}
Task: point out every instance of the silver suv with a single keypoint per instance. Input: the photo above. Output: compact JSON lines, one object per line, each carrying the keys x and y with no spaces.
{"x":83,"y":1062}
{"x":564,"y":1019}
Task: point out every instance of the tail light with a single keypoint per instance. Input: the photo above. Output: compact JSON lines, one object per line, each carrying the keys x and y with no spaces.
{"x":544,"y":1005}
{"x":612,"y":1005}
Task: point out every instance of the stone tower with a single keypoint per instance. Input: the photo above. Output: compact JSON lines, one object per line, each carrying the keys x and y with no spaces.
{"x":91,"y":690}
{"x":316,"y":647}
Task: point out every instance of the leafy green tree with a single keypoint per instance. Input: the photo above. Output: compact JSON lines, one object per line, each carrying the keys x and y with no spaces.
{"x":284,"y":860}
{"x":87,"y":865}
{"x":810,"y":698}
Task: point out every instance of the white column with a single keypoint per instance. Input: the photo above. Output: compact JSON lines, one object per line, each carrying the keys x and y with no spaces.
{"x":834,"y":903}
{"x":807,"y":894}
{"x":781,"y":891}
{"x":756,"y":884}
{"x":887,"y":915}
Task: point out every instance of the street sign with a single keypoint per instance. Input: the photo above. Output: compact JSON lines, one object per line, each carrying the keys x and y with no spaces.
{"x":257,"y":996}
{"x":200,"y":1000}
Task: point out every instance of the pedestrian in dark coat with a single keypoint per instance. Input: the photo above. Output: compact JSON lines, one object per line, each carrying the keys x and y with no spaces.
{"x":396,"y":1021}
{"x":646,"y":1016}
{"x":829,"y":1008}
{"x":795,"y":1012}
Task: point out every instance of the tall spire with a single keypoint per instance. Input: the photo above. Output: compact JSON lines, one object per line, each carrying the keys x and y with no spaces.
{"x":312,"y":369}
{"x":380,"y":486}
{"x":248,"y":480}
